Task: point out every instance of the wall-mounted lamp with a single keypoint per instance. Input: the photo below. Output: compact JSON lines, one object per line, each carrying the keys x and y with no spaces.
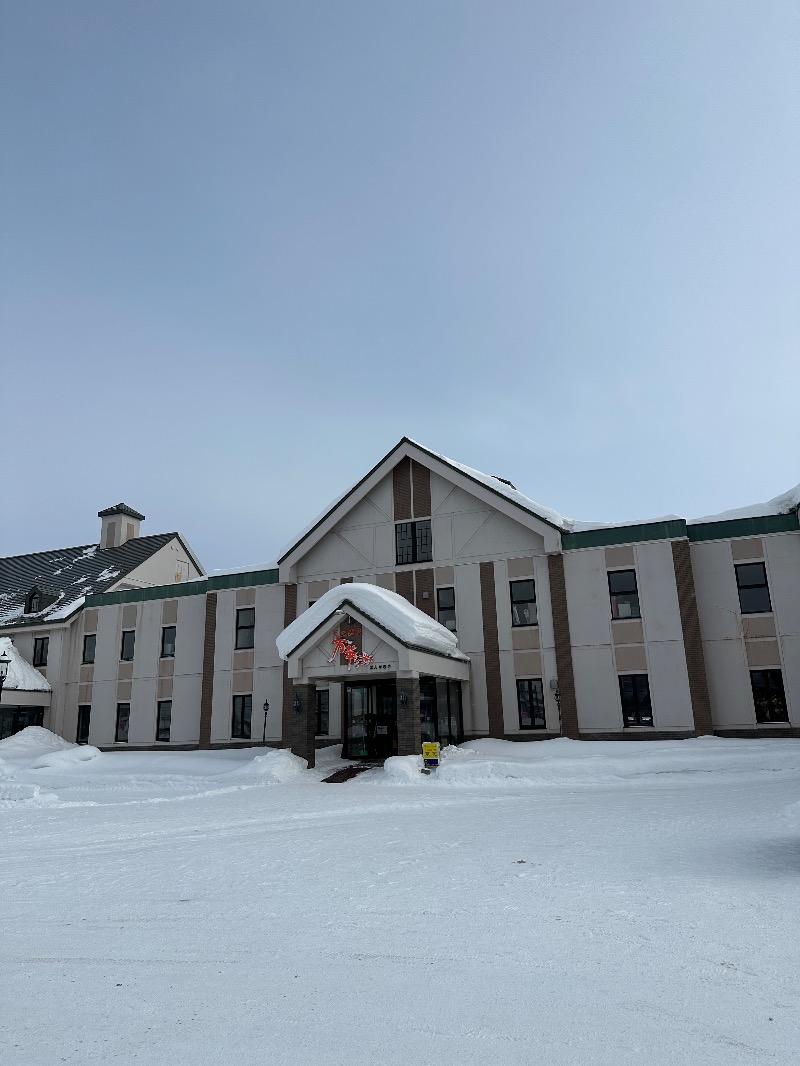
{"x":298,"y":706}
{"x":403,"y":699}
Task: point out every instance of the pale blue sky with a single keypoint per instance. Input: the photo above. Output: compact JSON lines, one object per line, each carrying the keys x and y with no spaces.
{"x":248,"y":246}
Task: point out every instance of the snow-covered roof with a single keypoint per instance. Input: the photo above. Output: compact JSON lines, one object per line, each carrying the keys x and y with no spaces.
{"x":386,"y":609}
{"x":22,"y":677}
{"x":785,"y":503}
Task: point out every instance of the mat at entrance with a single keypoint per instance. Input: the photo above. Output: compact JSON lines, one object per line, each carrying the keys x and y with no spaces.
{"x":347,"y":774}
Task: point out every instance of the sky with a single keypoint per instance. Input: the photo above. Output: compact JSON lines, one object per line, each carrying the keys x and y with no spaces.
{"x":248,"y":246}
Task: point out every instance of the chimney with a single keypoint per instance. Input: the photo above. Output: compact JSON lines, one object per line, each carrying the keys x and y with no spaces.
{"x":120,"y":523}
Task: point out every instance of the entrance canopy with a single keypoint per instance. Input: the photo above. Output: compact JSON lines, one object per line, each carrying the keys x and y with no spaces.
{"x":24,"y":685}
{"x":365,"y":631}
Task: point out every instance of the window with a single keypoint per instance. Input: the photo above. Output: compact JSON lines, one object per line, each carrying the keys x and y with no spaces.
{"x":768,"y":696}
{"x":123,"y":720}
{"x":41,"y":646}
{"x":624,"y":594}
{"x":126,"y":647}
{"x":414,"y":542}
{"x":530,"y":701}
{"x":323,"y":717}
{"x":242,"y":713}
{"x":164,"y":720}
{"x":89,"y":647}
{"x":84,"y":714}
{"x":168,"y":642}
{"x":523,"y":603}
{"x":634,"y":690}
{"x":245,"y":628}
{"x":751,"y":580}
{"x":446,"y":608}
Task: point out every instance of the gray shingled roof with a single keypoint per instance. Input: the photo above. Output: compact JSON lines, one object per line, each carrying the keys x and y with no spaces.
{"x":72,"y":573}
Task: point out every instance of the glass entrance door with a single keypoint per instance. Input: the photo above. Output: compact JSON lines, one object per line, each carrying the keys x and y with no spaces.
{"x":371,"y":731}
{"x":357,"y":714}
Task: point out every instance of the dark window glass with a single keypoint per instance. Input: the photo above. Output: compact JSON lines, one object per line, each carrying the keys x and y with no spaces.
{"x":245,"y":628}
{"x":446,"y":608}
{"x":530,"y":701}
{"x":624,"y":594}
{"x":323,"y":702}
{"x":768,"y":696}
{"x":41,"y":646}
{"x":168,"y":642}
{"x":751,"y":580}
{"x":242,"y":713}
{"x":413,"y":542}
{"x":634,"y":690}
{"x":84,"y":714}
{"x":164,"y":719}
{"x":427,"y":709}
{"x":523,"y":603}
{"x":123,"y":720}
{"x":126,"y":647}
{"x":33,"y":604}
{"x":89,"y":647}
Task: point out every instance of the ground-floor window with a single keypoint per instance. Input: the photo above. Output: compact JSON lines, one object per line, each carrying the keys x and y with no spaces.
{"x":634,"y":691}
{"x":323,"y":716}
{"x":123,"y":721}
{"x":769,"y":696}
{"x":242,"y":714}
{"x":440,"y":716}
{"x":530,"y":702}
{"x":13,"y":719}
{"x":84,"y":714}
{"x":164,"y":720}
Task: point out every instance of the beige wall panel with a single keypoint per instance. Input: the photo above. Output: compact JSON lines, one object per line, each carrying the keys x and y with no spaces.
{"x":630,"y":659}
{"x":129,"y":616}
{"x":442,"y":528}
{"x":124,"y":689}
{"x":384,"y":545}
{"x":190,"y":635}
{"x":385,"y":581}
{"x":763,"y":653}
{"x":527,"y":664}
{"x":169,"y":612}
{"x":125,"y":671}
{"x":596,"y":689}
{"x":269,"y":623}
{"x":715,"y":586}
{"x":90,"y":620}
{"x":242,"y":682}
{"x":747,"y":548}
{"x":617,"y":557}
{"x":185,"y":724}
{"x":317,"y":589}
{"x":587,"y":597}
{"x":729,"y":684}
{"x":445,"y":575}
{"x":243,"y":659}
{"x":627,"y":631}
{"x":520,"y":568}
{"x":245,"y":597}
{"x":658,"y":591}
{"x":498,"y":536}
{"x":470,"y":617}
{"x":166,"y":667}
{"x":669,"y":686}
{"x":783,"y":569}
{"x":526,"y":639}
{"x":759,"y":626}
{"x":86,"y":675}
{"x":84,"y":694}
{"x":165,"y":686}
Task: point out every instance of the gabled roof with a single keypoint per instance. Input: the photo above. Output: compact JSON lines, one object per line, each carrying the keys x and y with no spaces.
{"x":73,"y":573}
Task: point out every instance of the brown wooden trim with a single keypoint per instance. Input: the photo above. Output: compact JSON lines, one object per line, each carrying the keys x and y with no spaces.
{"x":404,"y":584}
{"x":421,"y":479}
{"x":424,"y":583}
{"x":207,"y":684}
{"x":566,"y":676}
{"x":491,"y":651}
{"x":289,"y":615}
{"x":401,"y":483}
{"x":692,"y":639}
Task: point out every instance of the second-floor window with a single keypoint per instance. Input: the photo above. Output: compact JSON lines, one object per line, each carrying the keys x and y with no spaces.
{"x":126,"y":645}
{"x":446,"y":608}
{"x":89,"y":647}
{"x":41,"y":646}
{"x":168,"y":642}
{"x":245,"y":628}
{"x":413,"y":542}
{"x":523,"y":603}
{"x":751,"y":581}
{"x":624,"y":594}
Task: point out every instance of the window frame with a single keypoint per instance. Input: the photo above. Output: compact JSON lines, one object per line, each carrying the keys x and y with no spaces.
{"x":516,"y":603}
{"x":127,"y":633}
{"x":748,"y":587}
{"x":241,"y":735}
{"x":613,"y":595}
{"x":117,"y":731}
{"x":323,"y":696}
{"x":534,"y":694}
{"x":771,"y":672}
{"x":87,"y":707}
{"x":171,"y":654}
{"x":84,"y":660}
{"x":440,"y":609}
{"x":414,"y":527}
{"x":638,"y":704}
{"x":159,"y":738}
{"x":251,"y":629}
{"x":41,"y":650}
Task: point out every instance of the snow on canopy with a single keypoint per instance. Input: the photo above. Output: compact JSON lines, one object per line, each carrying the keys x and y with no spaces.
{"x":22,"y":677}
{"x":388,"y":610}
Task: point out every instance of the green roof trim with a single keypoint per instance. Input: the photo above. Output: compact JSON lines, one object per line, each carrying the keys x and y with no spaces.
{"x":186,"y":588}
{"x":601,"y":538}
{"x":744,"y":527}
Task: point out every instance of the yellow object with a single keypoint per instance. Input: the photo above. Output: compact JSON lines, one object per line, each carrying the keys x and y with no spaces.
{"x":430,"y":752}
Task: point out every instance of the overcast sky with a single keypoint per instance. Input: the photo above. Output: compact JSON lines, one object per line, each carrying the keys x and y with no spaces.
{"x":248,"y":246}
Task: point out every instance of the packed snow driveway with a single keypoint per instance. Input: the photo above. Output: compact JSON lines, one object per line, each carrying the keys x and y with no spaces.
{"x":553,"y":902}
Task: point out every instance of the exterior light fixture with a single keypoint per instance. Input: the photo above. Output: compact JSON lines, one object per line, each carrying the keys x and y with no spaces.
{"x":266,"y":712}
{"x":403,"y":699}
{"x":5,"y":662}
{"x":298,"y":706}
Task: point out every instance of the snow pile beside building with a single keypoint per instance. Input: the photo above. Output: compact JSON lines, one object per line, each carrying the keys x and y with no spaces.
{"x":391,"y":612}
{"x":32,"y":742}
{"x":22,"y":677}
{"x":274,"y":766}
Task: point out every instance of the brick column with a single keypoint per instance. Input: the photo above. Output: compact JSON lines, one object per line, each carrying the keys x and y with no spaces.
{"x":409,"y":736}
{"x":289,"y":613}
{"x":207,"y":684}
{"x":566,"y":676}
{"x":491,"y":652}
{"x":304,"y":723}
{"x":692,"y":639}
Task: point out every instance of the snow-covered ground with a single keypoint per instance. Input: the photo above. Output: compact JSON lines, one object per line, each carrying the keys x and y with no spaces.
{"x":556,"y":902}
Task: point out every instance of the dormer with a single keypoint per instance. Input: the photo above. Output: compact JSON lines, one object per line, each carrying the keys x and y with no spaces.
{"x":39,"y":599}
{"x":120,"y":523}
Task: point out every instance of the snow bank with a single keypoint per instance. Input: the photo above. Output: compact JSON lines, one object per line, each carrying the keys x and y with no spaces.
{"x":32,"y":742}
{"x":22,"y":677}
{"x":387,"y":609}
{"x":274,"y":766}
{"x":65,"y":760}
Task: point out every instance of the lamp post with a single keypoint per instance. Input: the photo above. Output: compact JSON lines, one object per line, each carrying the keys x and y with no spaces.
{"x":5,"y":662}
{"x":266,"y":712}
